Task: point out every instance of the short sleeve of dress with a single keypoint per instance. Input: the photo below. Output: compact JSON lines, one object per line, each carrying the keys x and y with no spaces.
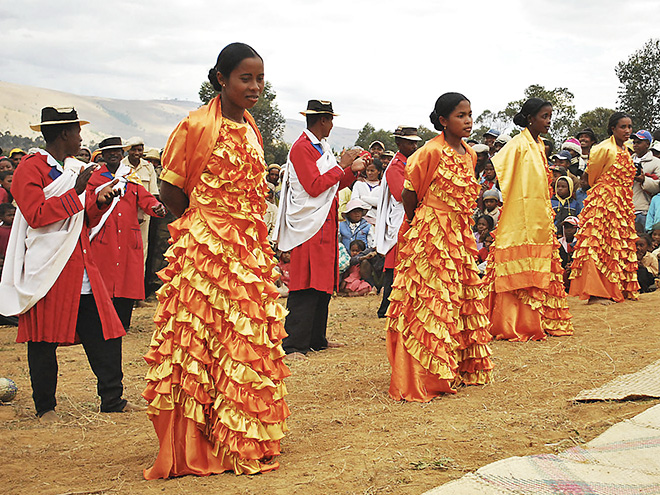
{"x":174,"y":156}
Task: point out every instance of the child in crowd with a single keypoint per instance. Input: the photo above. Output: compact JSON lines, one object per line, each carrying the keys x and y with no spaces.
{"x":482,"y":255}
{"x":354,"y":226}
{"x":6,"y":178}
{"x":488,"y":178}
{"x":283,"y":267}
{"x":368,"y":191}
{"x":655,"y":239}
{"x":484,"y":226}
{"x":354,"y":284}
{"x":491,"y":206}
{"x":563,"y":203}
{"x":6,"y":165}
{"x":581,"y":191}
{"x":647,"y":264}
{"x":7,"y":212}
{"x":567,"y":243}
{"x":653,"y":215}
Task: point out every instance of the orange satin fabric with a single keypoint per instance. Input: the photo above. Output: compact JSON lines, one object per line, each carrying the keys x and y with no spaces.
{"x":215,"y":381}
{"x":605,"y":257}
{"x":524,"y":277}
{"x":437,"y":329}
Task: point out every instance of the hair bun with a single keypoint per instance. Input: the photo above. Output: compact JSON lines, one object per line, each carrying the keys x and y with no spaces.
{"x":520,"y":120}
{"x":436,"y":121}
{"x":213,"y":79}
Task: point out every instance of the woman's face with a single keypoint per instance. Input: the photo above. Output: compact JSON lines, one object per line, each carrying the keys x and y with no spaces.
{"x":245,"y":83}
{"x":84,"y":156}
{"x":5,"y":165}
{"x":622,"y":130}
{"x":482,"y":225}
{"x":372,"y":173}
{"x":459,"y":122}
{"x":540,"y":123}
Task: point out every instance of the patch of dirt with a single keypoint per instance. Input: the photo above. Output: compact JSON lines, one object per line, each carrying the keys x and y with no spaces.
{"x":346,"y":434}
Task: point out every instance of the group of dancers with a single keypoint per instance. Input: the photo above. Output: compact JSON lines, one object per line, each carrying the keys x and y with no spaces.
{"x":215,"y":384}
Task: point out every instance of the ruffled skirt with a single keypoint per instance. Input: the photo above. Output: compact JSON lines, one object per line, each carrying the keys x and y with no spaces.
{"x":437,"y":328}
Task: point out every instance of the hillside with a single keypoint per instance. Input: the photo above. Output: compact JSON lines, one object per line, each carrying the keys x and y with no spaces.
{"x":152,"y":120}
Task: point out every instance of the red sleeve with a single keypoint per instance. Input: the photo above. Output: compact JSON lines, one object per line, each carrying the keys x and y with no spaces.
{"x":146,"y":200}
{"x":303,"y":157}
{"x":28,"y":191}
{"x":395,"y":179}
{"x":94,"y":213}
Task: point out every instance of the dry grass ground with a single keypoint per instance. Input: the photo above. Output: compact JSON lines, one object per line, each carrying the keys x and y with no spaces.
{"x":346,"y":435}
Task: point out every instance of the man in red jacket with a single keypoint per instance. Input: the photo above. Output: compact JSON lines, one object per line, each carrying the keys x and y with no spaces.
{"x":51,"y":279}
{"x":307,"y":226}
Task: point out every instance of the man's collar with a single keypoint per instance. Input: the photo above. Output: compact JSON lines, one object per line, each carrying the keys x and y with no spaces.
{"x":311,"y":136}
{"x":51,"y":160}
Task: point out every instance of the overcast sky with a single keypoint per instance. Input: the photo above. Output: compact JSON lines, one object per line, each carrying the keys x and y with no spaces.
{"x":384,"y":62}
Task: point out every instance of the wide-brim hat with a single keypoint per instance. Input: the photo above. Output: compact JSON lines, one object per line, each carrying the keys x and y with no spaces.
{"x":589,"y":132}
{"x":152,"y":154}
{"x":55,"y":116}
{"x":355,"y":204}
{"x":114,"y":142}
{"x":315,"y":107}
{"x":406,"y":132}
{"x":481,"y":148}
{"x":655,"y":146}
{"x":134,"y":141}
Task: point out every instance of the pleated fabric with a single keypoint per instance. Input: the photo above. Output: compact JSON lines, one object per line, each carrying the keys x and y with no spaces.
{"x":437,"y":326}
{"x":605,"y":257}
{"x":215,"y":381}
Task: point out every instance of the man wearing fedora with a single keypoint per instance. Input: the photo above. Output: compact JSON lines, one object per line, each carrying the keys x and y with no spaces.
{"x":117,"y":240}
{"x":390,"y":208}
{"x":50,"y":278}
{"x":307,"y":226}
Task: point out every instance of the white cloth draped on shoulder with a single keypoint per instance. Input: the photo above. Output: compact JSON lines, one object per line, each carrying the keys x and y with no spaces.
{"x":300,"y":215}
{"x":36,"y":257}
{"x":123,"y":171}
{"x":389,"y":220}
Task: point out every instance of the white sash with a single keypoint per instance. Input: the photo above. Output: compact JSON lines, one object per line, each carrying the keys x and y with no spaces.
{"x":35,"y":258}
{"x":301,"y":216}
{"x":389,"y":219}
{"x":121,"y":173}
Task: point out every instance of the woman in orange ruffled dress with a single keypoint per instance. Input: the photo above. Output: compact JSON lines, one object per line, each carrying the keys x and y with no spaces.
{"x":215,"y":383}
{"x":604,"y":267}
{"x":437,"y":331}
{"x":524,"y":280}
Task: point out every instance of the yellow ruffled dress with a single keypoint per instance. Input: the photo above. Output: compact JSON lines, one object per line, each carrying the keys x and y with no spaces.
{"x":437,"y":328}
{"x":605,"y":257}
{"x":215,"y":382}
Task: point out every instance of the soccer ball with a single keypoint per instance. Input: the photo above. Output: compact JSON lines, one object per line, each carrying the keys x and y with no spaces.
{"x":8,"y":390}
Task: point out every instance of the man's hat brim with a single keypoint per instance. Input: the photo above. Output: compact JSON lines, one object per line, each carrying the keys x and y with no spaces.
{"x":318,"y":112}
{"x":37,"y":127}
{"x":409,"y":138}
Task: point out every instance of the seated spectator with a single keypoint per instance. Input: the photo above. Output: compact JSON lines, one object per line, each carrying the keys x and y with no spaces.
{"x":283,"y":269}
{"x":354,"y":283}
{"x":484,"y":227}
{"x":5,"y":164}
{"x":655,"y":238}
{"x":563,"y":203}
{"x":647,"y":264}
{"x":355,"y":227}
{"x":368,"y":191}
{"x":567,"y":243}
{"x":6,"y":178}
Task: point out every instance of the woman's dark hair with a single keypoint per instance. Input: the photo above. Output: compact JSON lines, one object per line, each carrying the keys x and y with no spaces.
{"x":614,"y":119}
{"x":489,"y":221}
{"x":444,"y":106}
{"x":229,"y":58}
{"x":359,"y":243}
{"x":530,"y":108}
{"x":647,"y":238}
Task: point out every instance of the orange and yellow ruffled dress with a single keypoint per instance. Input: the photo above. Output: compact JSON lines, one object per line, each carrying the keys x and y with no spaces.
{"x":437,"y":326}
{"x":215,"y":382}
{"x":605,"y":257}
{"x":524,"y":277}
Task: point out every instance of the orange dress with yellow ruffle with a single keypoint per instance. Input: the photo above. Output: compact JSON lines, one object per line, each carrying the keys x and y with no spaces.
{"x":524,"y":277}
{"x":605,"y":257}
{"x":437,"y":328}
{"x":215,"y":382}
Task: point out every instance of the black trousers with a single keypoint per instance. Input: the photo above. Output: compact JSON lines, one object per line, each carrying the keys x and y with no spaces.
{"x":104,"y":357}
{"x":388,"y":280}
{"x":307,"y":321}
{"x":124,"y":309}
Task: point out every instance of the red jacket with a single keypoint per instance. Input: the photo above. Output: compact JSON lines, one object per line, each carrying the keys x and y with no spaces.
{"x":314,"y":263}
{"x":53,"y":318}
{"x":117,"y":248}
{"x":395,"y":179}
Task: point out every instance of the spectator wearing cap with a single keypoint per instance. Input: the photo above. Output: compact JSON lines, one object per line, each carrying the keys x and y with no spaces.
{"x":152,"y":155}
{"x":562,"y":159}
{"x":117,"y":240}
{"x":482,"y":151}
{"x":147,"y":174}
{"x":273,"y":177}
{"x":647,"y":179}
{"x":587,"y":138}
{"x":655,"y":149}
{"x":385,"y":159}
{"x":390,"y":208}
{"x":16,"y":155}
{"x":563,"y":201}
{"x":501,"y":140}
{"x":491,"y":200}
{"x":489,"y":140}
{"x":577,"y":165}
{"x":376,"y":148}
{"x":307,"y":225}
